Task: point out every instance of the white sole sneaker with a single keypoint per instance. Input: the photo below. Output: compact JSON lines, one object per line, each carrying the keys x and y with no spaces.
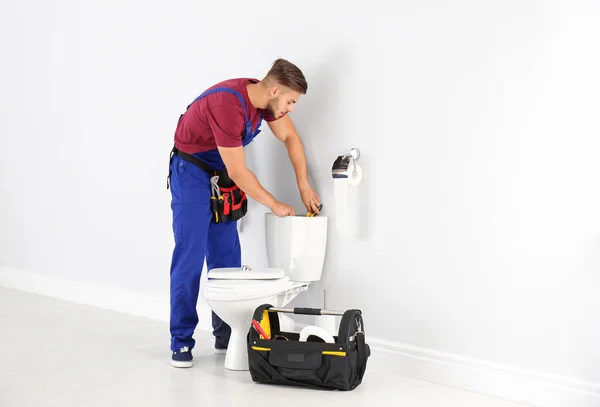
{"x":176,"y":363}
{"x":220,"y":351}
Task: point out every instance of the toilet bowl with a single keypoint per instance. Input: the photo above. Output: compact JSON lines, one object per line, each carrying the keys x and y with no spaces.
{"x":295,"y":255}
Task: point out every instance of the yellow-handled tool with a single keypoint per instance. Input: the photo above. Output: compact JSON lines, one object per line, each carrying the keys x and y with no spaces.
{"x":309,"y":214}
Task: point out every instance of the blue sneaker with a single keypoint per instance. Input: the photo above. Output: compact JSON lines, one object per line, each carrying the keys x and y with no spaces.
{"x":182,"y":358}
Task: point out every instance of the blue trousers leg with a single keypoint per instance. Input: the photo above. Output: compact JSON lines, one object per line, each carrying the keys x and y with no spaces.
{"x":190,"y":190}
{"x":195,"y":238}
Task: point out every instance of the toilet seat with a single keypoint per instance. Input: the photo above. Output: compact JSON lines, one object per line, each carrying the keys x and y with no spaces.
{"x":240,"y":290}
{"x":245,"y":273}
{"x":237,"y":284}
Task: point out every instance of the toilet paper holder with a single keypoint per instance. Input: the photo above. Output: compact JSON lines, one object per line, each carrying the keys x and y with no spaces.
{"x":345,"y":165}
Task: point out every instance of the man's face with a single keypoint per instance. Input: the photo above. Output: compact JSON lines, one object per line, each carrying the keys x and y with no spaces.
{"x":282,"y":101}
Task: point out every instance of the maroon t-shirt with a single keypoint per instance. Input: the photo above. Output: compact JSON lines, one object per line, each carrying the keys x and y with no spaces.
{"x":218,"y":119}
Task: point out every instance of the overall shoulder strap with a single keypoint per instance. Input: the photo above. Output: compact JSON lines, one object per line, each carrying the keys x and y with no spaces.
{"x":223,"y":89}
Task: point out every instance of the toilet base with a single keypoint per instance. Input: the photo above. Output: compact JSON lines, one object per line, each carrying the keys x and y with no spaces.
{"x":237,"y":353}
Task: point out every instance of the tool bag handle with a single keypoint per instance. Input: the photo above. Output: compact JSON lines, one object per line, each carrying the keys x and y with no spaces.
{"x":307,"y":311}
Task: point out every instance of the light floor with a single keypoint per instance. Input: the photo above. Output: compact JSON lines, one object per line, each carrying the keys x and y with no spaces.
{"x":57,"y":353}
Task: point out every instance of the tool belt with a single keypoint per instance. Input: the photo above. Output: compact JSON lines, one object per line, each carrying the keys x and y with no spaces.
{"x":227,"y":202}
{"x":277,"y":357}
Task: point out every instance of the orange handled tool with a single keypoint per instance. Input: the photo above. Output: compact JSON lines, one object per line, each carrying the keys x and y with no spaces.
{"x":260,"y":329}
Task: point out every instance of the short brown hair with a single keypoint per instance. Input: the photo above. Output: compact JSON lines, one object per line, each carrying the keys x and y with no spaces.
{"x":287,"y":74}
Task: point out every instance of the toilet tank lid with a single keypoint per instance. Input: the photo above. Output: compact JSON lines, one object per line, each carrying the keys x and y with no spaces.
{"x":246,"y":273}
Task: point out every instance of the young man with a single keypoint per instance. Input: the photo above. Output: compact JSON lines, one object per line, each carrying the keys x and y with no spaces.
{"x":214,"y":129}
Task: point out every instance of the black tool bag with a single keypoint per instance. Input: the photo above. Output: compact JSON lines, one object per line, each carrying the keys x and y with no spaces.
{"x":228,"y":202}
{"x":284,"y":360}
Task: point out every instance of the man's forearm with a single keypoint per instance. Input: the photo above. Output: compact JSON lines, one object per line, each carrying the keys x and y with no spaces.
{"x":298,"y":159}
{"x":248,"y":183}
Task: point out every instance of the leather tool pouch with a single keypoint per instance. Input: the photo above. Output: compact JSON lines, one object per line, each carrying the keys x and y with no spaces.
{"x":227,"y":202}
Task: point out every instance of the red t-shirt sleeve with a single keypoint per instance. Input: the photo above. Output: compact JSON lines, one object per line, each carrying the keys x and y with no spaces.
{"x":227,"y":123}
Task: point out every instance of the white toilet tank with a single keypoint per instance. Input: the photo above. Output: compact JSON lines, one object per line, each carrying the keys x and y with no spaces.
{"x":297,"y":245}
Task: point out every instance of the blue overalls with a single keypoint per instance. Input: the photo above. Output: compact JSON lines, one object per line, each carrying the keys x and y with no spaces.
{"x":196,"y":237}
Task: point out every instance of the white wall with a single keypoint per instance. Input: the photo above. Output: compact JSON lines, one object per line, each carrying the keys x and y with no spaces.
{"x":477,"y":124}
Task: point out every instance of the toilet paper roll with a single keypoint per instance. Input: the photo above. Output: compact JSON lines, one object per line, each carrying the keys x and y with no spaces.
{"x":340,"y":195}
{"x":340,"y":189}
{"x":316,"y":331}
{"x":355,"y":177}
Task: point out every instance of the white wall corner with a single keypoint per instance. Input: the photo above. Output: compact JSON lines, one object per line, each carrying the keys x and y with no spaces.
{"x":508,"y":382}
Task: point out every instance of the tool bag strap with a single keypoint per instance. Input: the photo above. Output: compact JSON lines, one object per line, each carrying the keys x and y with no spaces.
{"x":364,"y":351}
{"x":352,"y":328}
{"x":350,"y":324}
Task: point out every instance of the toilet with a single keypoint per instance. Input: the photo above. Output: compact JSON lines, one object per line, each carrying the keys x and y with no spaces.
{"x":295,"y":255}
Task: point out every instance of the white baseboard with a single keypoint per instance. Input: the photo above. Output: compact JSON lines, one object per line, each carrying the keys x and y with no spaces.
{"x":508,"y":382}
{"x":513,"y":383}
{"x":110,"y":298}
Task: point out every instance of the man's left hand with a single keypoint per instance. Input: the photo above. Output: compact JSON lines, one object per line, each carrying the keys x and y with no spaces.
{"x":310,"y":199}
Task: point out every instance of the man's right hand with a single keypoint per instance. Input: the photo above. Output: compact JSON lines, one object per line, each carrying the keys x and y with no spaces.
{"x":280,"y":209}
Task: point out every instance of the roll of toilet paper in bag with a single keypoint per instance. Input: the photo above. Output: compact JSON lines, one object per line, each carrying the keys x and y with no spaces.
{"x":340,"y":195}
{"x":316,"y":331}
